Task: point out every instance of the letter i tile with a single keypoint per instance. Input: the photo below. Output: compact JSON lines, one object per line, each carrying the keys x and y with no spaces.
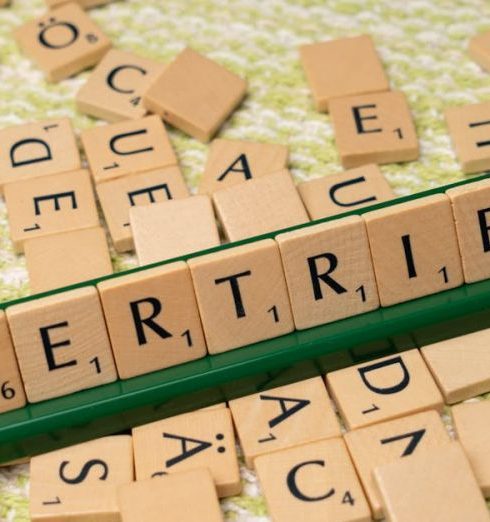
{"x":384,"y":389}
{"x":203,"y":439}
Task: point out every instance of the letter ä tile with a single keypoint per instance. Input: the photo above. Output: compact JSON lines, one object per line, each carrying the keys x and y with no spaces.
{"x":127,"y":147}
{"x":283,"y":417}
{"x":315,"y":482}
{"x":384,"y":389}
{"x":242,"y":295}
{"x":37,"y":149}
{"x":61,"y":344}
{"x":202,"y":439}
{"x":80,"y":482}
{"x":63,"y":42}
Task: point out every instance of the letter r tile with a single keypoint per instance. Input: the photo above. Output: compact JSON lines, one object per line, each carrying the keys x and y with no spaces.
{"x":384,"y":389}
{"x":61,"y":343}
{"x":282,"y":417}
{"x":242,"y":295}
{"x":201,"y":439}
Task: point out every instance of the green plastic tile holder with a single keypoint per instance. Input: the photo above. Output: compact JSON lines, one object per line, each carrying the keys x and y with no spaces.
{"x":116,"y":407}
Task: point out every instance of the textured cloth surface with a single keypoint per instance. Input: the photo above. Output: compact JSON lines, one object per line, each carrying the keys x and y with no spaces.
{"x":423,"y":46}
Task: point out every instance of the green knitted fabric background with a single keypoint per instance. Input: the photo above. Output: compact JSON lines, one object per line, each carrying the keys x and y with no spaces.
{"x":423,"y":46}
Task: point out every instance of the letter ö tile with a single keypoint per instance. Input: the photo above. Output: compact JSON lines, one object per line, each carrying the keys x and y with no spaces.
{"x":114,"y":90}
{"x":315,"y":482}
{"x":48,"y":205}
{"x":37,"y":149}
{"x":338,"y":193}
{"x":63,"y":42}
{"x":61,"y":344}
{"x":79,"y":483}
{"x":152,"y":319}
{"x":242,"y":295}
{"x":329,"y":271}
{"x":384,"y":389}
{"x":414,"y":249}
{"x":127,"y":147}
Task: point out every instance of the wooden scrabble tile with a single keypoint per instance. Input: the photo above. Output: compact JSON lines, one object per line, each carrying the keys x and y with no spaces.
{"x":231,"y":162}
{"x":470,"y":204}
{"x":242,"y":295}
{"x":37,"y":149}
{"x":284,"y":417}
{"x":127,"y":147}
{"x":469,"y":128}
{"x":79,"y":483}
{"x":4,"y":3}
{"x":329,"y":271}
{"x":203,"y":439}
{"x":414,"y":248}
{"x":43,"y":206}
{"x":85,"y":4}
{"x":461,"y":365}
{"x":173,"y":228}
{"x":152,"y":318}
{"x":471,"y":421}
{"x":261,"y":205}
{"x":63,"y":42}
{"x":195,"y":94}
{"x":436,"y":485}
{"x":374,"y":128}
{"x":66,"y":258}
{"x":342,"y":67}
{"x":479,"y":49}
{"x":339,"y":193}
{"x":387,"y":442}
{"x":61,"y":344}
{"x":12,"y":395}
{"x":184,"y":497}
{"x":384,"y":389}
{"x":119,"y":195}
{"x":315,"y":482}
{"x":114,"y":90}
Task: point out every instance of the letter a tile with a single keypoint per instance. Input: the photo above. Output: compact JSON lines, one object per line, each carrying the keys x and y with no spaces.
{"x":79,"y":483}
{"x":242,"y":295}
{"x":329,"y":271}
{"x":314,"y":482}
{"x":435,"y":485}
{"x":374,"y":128}
{"x":387,"y":442}
{"x":283,"y":417}
{"x":471,"y":209}
{"x":61,"y":343}
{"x":414,"y":249}
{"x":43,"y":206}
{"x":188,"y":496}
{"x":384,"y":389}
{"x":350,"y":190}
{"x":37,"y":149}
{"x":202,"y":439}
{"x":63,"y":42}
{"x":152,"y":318}
{"x":127,"y":147}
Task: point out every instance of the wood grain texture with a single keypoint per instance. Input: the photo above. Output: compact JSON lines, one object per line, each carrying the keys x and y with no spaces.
{"x":114,"y":91}
{"x":48,"y":205}
{"x":127,"y":147}
{"x":384,"y":389}
{"x":195,"y":94}
{"x":63,"y":42}
{"x":242,"y":295}
{"x":61,"y":344}
{"x":374,"y":128}
{"x":118,"y":196}
{"x":342,"y":67}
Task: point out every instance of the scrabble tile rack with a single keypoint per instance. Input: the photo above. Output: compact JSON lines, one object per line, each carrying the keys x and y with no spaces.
{"x":116,"y":407}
